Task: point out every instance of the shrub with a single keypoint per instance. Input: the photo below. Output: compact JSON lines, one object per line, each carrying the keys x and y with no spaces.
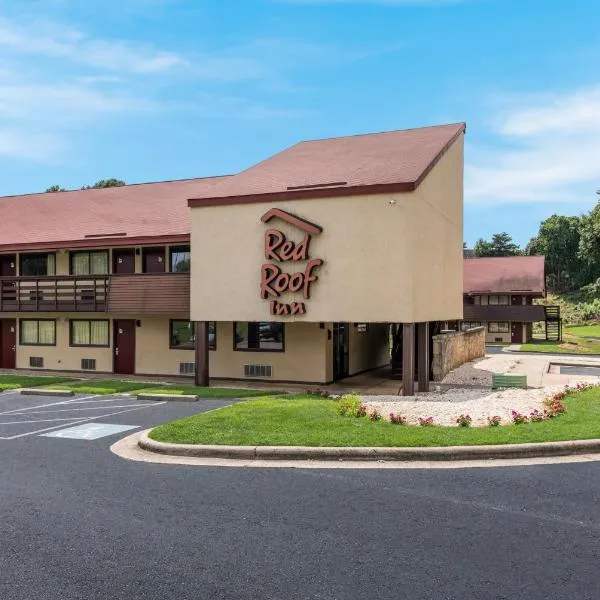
{"x":535,"y":416}
{"x":494,"y":421}
{"x":425,"y":421}
{"x":397,"y":419}
{"x":464,"y":421}
{"x":348,"y":405}
{"x":361,"y":411}
{"x":374,"y":415}
{"x":318,"y":393}
{"x":518,"y":418}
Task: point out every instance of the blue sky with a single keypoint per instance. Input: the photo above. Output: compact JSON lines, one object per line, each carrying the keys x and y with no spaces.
{"x":148,"y":90}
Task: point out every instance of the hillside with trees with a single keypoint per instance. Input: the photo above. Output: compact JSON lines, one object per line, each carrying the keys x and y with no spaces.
{"x":571,"y":245}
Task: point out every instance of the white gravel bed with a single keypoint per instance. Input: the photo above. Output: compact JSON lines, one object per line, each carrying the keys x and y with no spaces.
{"x":445,"y":407}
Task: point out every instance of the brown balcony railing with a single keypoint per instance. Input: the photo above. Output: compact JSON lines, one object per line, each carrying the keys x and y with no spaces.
{"x":59,"y":293}
{"x":503,"y":312}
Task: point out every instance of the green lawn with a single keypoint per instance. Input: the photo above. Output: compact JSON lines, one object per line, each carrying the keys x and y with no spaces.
{"x":305,"y":421}
{"x":101,"y":386}
{"x":13,"y":382}
{"x":109,"y":386}
{"x":210,"y":392}
{"x":576,"y":340}
{"x":584,"y":331}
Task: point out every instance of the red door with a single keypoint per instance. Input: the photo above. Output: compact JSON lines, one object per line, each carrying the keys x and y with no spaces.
{"x":8,"y":345}
{"x":516,"y":333}
{"x":124,"y":342}
{"x":124,"y":261}
{"x":8,"y":265}
{"x":153,"y":260}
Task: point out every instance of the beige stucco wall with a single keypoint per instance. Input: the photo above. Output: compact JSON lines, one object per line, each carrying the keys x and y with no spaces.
{"x":387,"y":257}
{"x":62,"y":357}
{"x":369,"y":349}
{"x":152,"y":353}
{"x":304,"y":358}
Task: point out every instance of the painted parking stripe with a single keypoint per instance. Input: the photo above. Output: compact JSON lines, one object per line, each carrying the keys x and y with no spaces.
{"x":38,"y":421}
{"x":83,"y":420}
{"x":103,"y":407}
{"x":19,"y":410}
{"x":90,"y":431}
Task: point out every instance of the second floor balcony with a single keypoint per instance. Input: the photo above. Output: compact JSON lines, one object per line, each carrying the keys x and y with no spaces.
{"x":159,"y":294}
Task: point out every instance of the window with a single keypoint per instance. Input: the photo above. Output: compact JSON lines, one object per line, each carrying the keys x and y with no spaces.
{"x":495,"y":300}
{"x":37,"y":265}
{"x":37,"y":333}
{"x":89,"y":263}
{"x":89,"y":333}
{"x":180,"y":259}
{"x":183,"y":336}
{"x":470,"y":324}
{"x":268,"y":337}
{"x":498,"y":327}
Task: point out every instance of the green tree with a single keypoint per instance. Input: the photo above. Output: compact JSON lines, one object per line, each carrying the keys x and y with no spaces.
{"x":501,"y":244}
{"x":55,"y":188}
{"x":558,"y":240}
{"x":589,"y":243}
{"x":104,"y":183}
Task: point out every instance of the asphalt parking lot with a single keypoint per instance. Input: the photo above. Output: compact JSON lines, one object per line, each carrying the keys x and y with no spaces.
{"x":78,"y":522}
{"x":85,"y":416}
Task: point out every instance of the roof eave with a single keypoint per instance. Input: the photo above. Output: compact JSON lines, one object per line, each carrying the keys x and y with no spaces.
{"x":97,"y":242}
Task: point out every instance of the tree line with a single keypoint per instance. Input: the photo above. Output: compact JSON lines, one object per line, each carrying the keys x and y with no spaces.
{"x":571,"y":245}
{"x":102,"y":183}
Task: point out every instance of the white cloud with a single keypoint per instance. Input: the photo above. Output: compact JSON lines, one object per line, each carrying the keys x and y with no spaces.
{"x":546,"y":150}
{"x":31,"y":146}
{"x":380,"y":2}
{"x":54,"y":40}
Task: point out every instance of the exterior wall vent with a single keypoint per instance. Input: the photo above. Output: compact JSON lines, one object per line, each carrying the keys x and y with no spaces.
{"x":88,"y":364}
{"x":187,"y":368}
{"x":36,"y":361}
{"x":258,"y":371}
{"x":498,"y":339}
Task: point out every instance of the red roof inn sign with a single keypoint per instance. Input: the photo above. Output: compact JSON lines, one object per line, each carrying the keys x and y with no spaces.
{"x":273,"y":280}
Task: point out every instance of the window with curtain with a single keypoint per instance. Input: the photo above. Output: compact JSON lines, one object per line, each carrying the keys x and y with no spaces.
{"x":495,"y":300}
{"x":37,"y":265}
{"x":89,"y":263}
{"x":182,"y":335}
{"x":37,"y":332}
{"x":180,"y":259}
{"x":498,"y":327}
{"x":89,"y":333}
{"x":257,"y":336}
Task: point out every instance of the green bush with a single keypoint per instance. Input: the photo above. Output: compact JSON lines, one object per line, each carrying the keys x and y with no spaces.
{"x":349,"y":406}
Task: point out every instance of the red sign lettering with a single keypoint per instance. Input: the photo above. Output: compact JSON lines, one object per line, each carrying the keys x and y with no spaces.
{"x":274,"y":281}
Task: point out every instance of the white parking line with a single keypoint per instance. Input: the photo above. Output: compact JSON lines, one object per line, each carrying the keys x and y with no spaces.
{"x":18,"y":410}
{"x":37,"y":421}
{"x":14,"y":437}
{"x":45,"y":412}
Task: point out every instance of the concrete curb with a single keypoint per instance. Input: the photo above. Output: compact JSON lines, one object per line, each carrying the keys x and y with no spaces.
{"x":448,"y":453}
{"x":39,"y":392}
{"x":168,"y":397}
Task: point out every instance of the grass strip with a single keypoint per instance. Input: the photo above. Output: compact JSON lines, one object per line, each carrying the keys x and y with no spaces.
{"x":210,"y":392}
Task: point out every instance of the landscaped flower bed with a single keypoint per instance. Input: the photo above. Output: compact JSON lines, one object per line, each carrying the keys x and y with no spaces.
{"x":309,"y":421}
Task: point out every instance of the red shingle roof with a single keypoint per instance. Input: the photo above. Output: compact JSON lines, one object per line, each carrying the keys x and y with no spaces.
{"x":360,"y":164}
{"x":504,"y":275}
{"x":63,"y":219}
{"x":158,"y":212}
